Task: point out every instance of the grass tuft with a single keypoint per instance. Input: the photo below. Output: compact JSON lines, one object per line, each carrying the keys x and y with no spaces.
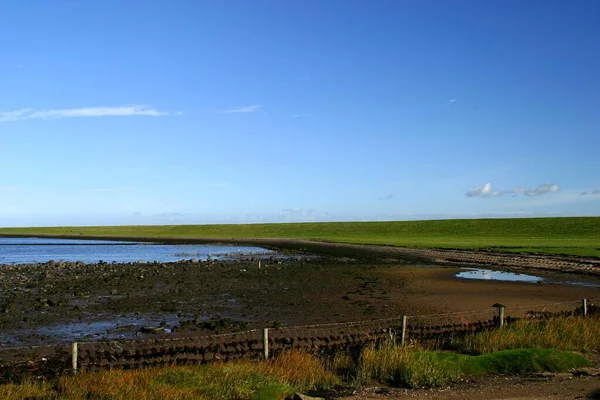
{"x":407,"y":367}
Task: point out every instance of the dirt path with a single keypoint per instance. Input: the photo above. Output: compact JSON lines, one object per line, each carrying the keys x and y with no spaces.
{"x":564,"y":386}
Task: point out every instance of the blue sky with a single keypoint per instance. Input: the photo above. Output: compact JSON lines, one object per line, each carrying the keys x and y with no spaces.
{"x":148,"y":112}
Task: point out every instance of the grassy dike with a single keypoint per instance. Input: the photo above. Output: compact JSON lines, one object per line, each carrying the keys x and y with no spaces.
{"x":555,"y":345}
{"x":578,"y":236}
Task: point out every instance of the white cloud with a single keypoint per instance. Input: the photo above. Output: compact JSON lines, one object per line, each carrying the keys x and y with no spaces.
{"x":120,"y":111}
{"x":487,"y":191}
{"x":484,"y":191}
{"x":244,"y":109}
{"x":452,"y":101}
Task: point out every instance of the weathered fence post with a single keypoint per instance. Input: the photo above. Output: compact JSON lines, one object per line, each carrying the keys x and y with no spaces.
{"x":266,"y":342}
{"x":403,"y":333}
{"x":500,"y":315}
{"x":74,"y":357}
{"x":584,"y":306}
{"x":259,"y":267}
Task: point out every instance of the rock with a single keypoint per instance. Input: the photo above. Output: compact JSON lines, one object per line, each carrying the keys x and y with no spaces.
{"x":114,"y":291}
{"x":586,"y":371}
{"x":152,"y":329}
{"x":300,"y":396}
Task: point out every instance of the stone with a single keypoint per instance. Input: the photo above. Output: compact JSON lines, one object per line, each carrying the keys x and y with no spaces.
{"x":152,"y":329}
{"x":300,"y":396}
{"x":586,"y":371}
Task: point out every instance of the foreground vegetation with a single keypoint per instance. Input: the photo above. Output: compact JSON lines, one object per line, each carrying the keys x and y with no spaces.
{"x":521,"y":348}
{"x":569,"y":334}
{"x":570,"y":236}
{"x":237,"y":380}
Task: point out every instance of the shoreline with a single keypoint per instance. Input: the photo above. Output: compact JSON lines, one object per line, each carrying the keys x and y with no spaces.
{"x":563,"y":264}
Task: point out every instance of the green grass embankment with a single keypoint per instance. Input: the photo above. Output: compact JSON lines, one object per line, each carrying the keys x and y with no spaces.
{"x":578,"y":236}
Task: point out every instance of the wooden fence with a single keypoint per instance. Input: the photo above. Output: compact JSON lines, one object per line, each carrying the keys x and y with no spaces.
{"x":263,"y":343}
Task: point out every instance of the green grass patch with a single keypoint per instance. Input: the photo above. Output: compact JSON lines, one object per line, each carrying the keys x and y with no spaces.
{"x":516,"y":361}
{"x":406,"y":367}
{"x":569,"y":236}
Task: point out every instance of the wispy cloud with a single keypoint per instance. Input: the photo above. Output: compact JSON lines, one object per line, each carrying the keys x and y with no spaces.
{"x":243,"y":109}
{"x":486,"y":191}
{"x":592,"y":193}
{"x":541,"y":189}
{"x":388,"y":197}
{"x":119,"y":111}
{"x":452,"y":101}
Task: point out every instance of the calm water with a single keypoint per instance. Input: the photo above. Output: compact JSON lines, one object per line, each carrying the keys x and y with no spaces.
{"x":488,"y":274}
{"x":39,"y":250}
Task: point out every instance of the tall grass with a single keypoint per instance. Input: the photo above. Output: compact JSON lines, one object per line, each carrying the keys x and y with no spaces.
{"x":405,"y":366}
{"x":564,"y":333}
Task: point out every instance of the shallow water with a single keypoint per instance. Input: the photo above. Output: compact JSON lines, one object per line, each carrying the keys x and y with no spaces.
{"x":492,"y":275}
{"x":40,"y":250}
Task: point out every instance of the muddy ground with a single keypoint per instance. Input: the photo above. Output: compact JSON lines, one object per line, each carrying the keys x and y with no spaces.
{"x":559,"y":387}
{"x":45,"y":303}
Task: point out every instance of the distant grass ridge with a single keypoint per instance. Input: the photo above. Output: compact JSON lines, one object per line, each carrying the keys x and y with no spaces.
{"x":570,"y":236}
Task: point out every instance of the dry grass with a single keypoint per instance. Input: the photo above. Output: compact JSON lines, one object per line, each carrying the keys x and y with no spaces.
{"x":237,"y":380}
{"x":570,"y":333}
{"x":299,"y":370}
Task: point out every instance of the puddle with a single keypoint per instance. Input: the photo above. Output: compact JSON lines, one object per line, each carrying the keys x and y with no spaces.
{"x":490,"y":275}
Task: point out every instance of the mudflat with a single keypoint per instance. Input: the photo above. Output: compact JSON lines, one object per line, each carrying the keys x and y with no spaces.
{"x":39,"y":302}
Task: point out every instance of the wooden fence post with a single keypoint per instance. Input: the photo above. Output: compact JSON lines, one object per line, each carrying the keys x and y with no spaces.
{"x":501,"y":316}
{"x":266,"y":342}
{"x":403,"y":333}
{"x":584,"y":306}
{"x":74,"y":357}
{"x":259,"y":267}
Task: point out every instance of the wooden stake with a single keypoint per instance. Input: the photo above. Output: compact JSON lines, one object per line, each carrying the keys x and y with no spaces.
{"x":403,"y":334}
{"x":266,"y":342}
{"x":501,"y":316}
{"x":584,"y":306}
{"x":74,"y":357}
